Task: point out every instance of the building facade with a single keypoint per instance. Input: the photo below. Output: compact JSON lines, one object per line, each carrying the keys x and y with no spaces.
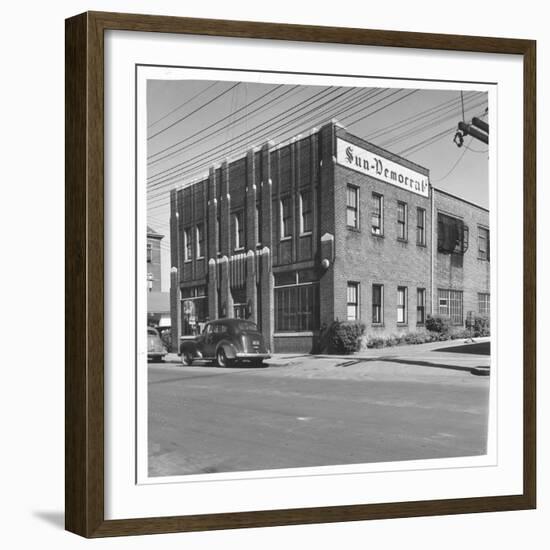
{"x":324,"y":227}
{"x":153,"y":260}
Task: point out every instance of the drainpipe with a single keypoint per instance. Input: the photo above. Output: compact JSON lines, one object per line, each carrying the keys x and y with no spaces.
{"x":433,"y":251}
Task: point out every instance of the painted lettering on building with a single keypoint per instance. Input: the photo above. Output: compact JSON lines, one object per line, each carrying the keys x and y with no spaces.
{"x":367,"y":162}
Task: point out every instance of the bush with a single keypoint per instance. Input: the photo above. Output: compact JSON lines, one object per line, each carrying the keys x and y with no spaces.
{"x":481,"y":326}
{"x":345,"y":336}
{"x":460,"y":333}
{"x":438,"y":324}
{"x":375,"y":342}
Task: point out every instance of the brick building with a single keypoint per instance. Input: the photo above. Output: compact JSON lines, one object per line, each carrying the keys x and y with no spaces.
{"x":324,"y":227}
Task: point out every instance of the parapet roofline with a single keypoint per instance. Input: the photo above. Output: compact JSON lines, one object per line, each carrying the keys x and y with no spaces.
{"x":436,"y":189}
{"x":299,"y":137}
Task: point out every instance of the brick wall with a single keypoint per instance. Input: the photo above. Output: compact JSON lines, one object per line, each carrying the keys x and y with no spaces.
{"x":368,"y":259}
{"x":468,"y":273}
{"x":254,"y":185}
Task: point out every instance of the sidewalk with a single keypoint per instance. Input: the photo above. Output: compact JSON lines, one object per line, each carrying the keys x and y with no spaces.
{"x":394,"y":351}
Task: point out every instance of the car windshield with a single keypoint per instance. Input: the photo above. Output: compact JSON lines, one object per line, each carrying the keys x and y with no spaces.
{"x":246,"y":326}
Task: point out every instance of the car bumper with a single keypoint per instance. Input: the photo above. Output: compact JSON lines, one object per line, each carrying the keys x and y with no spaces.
{"x":242,"y":355}
{"x":155,"y":354}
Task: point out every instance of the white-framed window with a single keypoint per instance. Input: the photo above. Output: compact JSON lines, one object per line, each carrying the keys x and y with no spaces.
{"x":377,"y":219}
{"x":353,"y":301}
{"x":377,"y":304}
{"x":187,"y":245}
{"x":484,"y":303}
{"x":402,"y":304}
{"x":306,"y":212}
{"x":199,"y":236}
{"x":238,"y":227}
{"x":483,"y":243}
{"x":402,"y":220}
{"x":420,"y":306}
{"x":421,"y":226}
{"x":352,"y":206}
{"x":286,"y":217}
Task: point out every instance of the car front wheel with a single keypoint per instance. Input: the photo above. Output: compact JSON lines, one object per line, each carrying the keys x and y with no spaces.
{"x":221,"y":359}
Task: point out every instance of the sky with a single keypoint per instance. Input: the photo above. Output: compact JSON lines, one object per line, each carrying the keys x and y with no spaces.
{"x":194,"y":124}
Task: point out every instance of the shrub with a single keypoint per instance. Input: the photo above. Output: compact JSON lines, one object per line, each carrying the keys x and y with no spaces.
{"x":375,"y":342}
{"x":481,"y":326}
{"x":345,"y":336}
{"x":438,"y":324}
{"x":460,"y":333}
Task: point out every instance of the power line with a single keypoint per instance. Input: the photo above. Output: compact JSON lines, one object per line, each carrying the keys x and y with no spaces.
{"x":414,"y":148}
{"x":182,"y":104}
{"x":229,"y":147}
{"x":193,"y":112}
{"x":219,"y":129}
{"x":454,"y":166}
{"x":326,"y":91}
{"x":284,"y":127}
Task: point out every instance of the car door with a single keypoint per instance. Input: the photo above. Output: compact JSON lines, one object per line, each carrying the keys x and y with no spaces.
{"x":208,"y":343}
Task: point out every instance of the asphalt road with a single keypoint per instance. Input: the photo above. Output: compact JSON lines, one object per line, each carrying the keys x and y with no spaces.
{"x":314,"y":412}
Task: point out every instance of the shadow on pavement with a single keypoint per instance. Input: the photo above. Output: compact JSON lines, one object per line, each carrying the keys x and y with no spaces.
{"x":416,"y":362}
{"x":479,"y":348}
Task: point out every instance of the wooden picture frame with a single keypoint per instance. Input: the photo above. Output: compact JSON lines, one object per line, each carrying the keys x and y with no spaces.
{"x":84,"y":154}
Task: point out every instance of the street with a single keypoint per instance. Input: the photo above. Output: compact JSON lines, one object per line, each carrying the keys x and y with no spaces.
{"x":393,"y":404}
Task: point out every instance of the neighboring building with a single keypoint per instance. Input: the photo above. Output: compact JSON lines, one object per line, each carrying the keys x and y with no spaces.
{"x":158,"y":302}
{"x":325,"y":227}
{"x":158,"y":309}
{"x":153,"y":260}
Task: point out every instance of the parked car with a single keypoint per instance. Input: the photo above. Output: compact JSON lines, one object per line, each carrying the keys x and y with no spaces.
{"x":155,"y":347}
{"x":226,"y":341}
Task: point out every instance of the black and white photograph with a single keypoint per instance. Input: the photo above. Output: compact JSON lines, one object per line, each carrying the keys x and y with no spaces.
{"x":318,"y":280}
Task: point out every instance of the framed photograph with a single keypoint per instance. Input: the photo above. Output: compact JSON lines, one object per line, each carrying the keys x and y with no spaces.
{"x":300,"y":274}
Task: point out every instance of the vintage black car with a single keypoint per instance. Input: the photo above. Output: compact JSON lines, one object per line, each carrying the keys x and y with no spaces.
{"x":155,"y":347}
{"x":226,"y":341}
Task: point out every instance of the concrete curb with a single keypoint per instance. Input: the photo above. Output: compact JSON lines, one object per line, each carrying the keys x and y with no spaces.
{"x":481,"y":371}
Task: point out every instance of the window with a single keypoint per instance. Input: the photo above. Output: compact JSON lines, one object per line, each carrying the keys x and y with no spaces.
{"x":149,"y":253}
{"x":452,"y":235}
{"x":286,"y":218}
{"x":483,"y":243}
{"x":377,"y":309}
{"x":200,"y":240}
{"x":420,"y":306}
{"x":353,"y":301}
{"x":219,"y":232}
{"x":187,"y":245}
{"x":296,"y":303}
{"x":238,"y":228}
{"x":484,"y":303}
{"x":306,"y":218}
{"x":194,"y":310}
{"x":352,"y":206}
{"x":401,"y":304}
{"x":377,"y":214}
{"x":401,"y":221}
{"x":258,"y":224}
{"x":421,"y":226}
{"x":451,"y":305}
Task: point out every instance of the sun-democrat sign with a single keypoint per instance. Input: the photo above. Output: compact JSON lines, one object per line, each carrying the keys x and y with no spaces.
{"x":366,"y":162}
